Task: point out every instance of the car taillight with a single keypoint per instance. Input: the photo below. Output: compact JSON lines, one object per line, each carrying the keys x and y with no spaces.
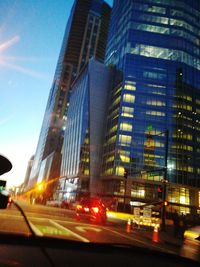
{"x":9,"y":200}
{"x":79,"y":207}
{"x":95,"y":209}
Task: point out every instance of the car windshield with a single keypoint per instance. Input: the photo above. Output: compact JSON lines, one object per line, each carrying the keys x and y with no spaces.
{"x":100,"y":118}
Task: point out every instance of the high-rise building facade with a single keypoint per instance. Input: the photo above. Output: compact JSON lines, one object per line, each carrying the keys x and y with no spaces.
{"x":85,"y":36}
{"x":28,"y":172}
{"x":83,"y":139}
{"x":156,"y":45}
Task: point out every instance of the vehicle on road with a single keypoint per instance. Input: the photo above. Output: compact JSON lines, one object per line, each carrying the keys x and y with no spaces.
{"x":92,"y":209}
{"x":191,"y":246}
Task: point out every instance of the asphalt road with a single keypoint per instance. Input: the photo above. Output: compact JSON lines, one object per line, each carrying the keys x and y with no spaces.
{"x":60,"y":223}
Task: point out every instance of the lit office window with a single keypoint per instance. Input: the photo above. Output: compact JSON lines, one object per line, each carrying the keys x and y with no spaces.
{"x":157,"y":9}
{"x":155,"y":113}
{"x":113,"y":129}
{"x":126,"y":126}
{"x":183,"y":147}
{"x":138,"y":192}
{"x":130,"y":87}
{"x":146,"y":7}
{"x":125,"y":139}
{"x":199,"y":198}
{"x":179,"y":195}
{"x":120,"y":170}
{"x":165,"y":53}
{"x":112,"y":139}
{"x":184,"y":136}
{"x":129,"y":98}
{"x":125,"y":158}
{"x":127,"y":112}
{"x":151,"y":18}
{"x":184,"y":196}
{"x":109,"y":171}
{"x":155,"y":103}
{"x":116,"y":101}
{"x":117,"y":90}
{"x":86,"y":172}
{"x":159,"y":144}
{"x":149,"y":28}
{"x":114,"y":113}
{"x":110,"y":159}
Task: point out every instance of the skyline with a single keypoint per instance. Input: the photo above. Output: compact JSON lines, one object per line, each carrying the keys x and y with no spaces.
{"x":25,"y":30}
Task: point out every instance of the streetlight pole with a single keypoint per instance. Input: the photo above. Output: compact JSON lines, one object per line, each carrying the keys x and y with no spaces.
{"x":125,"y":185}
{"x":164,"y":181}
{"x":163,"y":214}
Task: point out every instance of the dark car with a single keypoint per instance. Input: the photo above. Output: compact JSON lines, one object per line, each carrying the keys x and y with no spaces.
{"x":91,"y":209}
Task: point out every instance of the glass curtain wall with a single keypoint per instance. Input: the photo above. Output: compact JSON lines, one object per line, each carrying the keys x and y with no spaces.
{"x":155,"y":44}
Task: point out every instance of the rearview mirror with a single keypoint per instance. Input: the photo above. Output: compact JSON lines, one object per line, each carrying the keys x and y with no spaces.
{"x":3,"y":199}
{"x":5,"y":165}
{"x":198,"y":238}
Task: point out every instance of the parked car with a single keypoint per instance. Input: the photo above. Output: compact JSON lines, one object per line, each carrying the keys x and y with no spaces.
{"x":91,"y":209}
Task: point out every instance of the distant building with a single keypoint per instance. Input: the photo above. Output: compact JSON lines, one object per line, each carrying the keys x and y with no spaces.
{"x":85,"y":36}
{"x":83,"y":139}
{"x":28,"y":172}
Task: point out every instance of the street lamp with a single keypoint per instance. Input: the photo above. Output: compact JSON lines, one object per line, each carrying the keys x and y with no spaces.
{"x":40,"y":187}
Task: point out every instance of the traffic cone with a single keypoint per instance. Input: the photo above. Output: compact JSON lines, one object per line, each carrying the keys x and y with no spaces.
{"x":155,"y":234}
{"x":128,"y":226}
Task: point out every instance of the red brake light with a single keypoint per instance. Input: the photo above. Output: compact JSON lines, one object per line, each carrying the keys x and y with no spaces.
{"x":95,"y":209}
{"x":79,"y":207}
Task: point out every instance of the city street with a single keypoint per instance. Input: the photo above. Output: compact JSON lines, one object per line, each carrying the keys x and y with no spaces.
{"x":61,"y":223}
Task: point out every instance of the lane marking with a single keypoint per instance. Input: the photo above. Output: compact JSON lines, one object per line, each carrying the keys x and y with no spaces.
{"x":36,"y":230}
{"x":59,"y":226}
{"x":123,"y":235}
{"x":78,"y":223}
{"x":85,"y":228}
{"x":139,"y":241}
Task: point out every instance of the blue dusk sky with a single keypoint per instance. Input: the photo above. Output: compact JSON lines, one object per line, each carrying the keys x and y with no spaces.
{"x":31,"y":33}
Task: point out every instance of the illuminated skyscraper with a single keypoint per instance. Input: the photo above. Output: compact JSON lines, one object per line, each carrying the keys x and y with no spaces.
{"x":85,"y":36}
{"x":155,"y":43}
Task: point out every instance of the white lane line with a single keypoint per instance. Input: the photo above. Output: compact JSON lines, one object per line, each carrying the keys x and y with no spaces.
{"x":75,"y":223}
{"x":139,"y":241}
{"x":124,"y":236}
{"x":35,"y":229}
{"x":59,"y":226}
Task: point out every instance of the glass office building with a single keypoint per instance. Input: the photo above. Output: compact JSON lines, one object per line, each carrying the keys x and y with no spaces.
{"x":85,"y":36}
{"x":83,"y":139}
{"x":156,"y":46}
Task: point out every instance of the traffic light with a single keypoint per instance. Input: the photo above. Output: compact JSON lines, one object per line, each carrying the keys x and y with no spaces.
{"x":159,"y":190}
{"x":125,"y":173}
